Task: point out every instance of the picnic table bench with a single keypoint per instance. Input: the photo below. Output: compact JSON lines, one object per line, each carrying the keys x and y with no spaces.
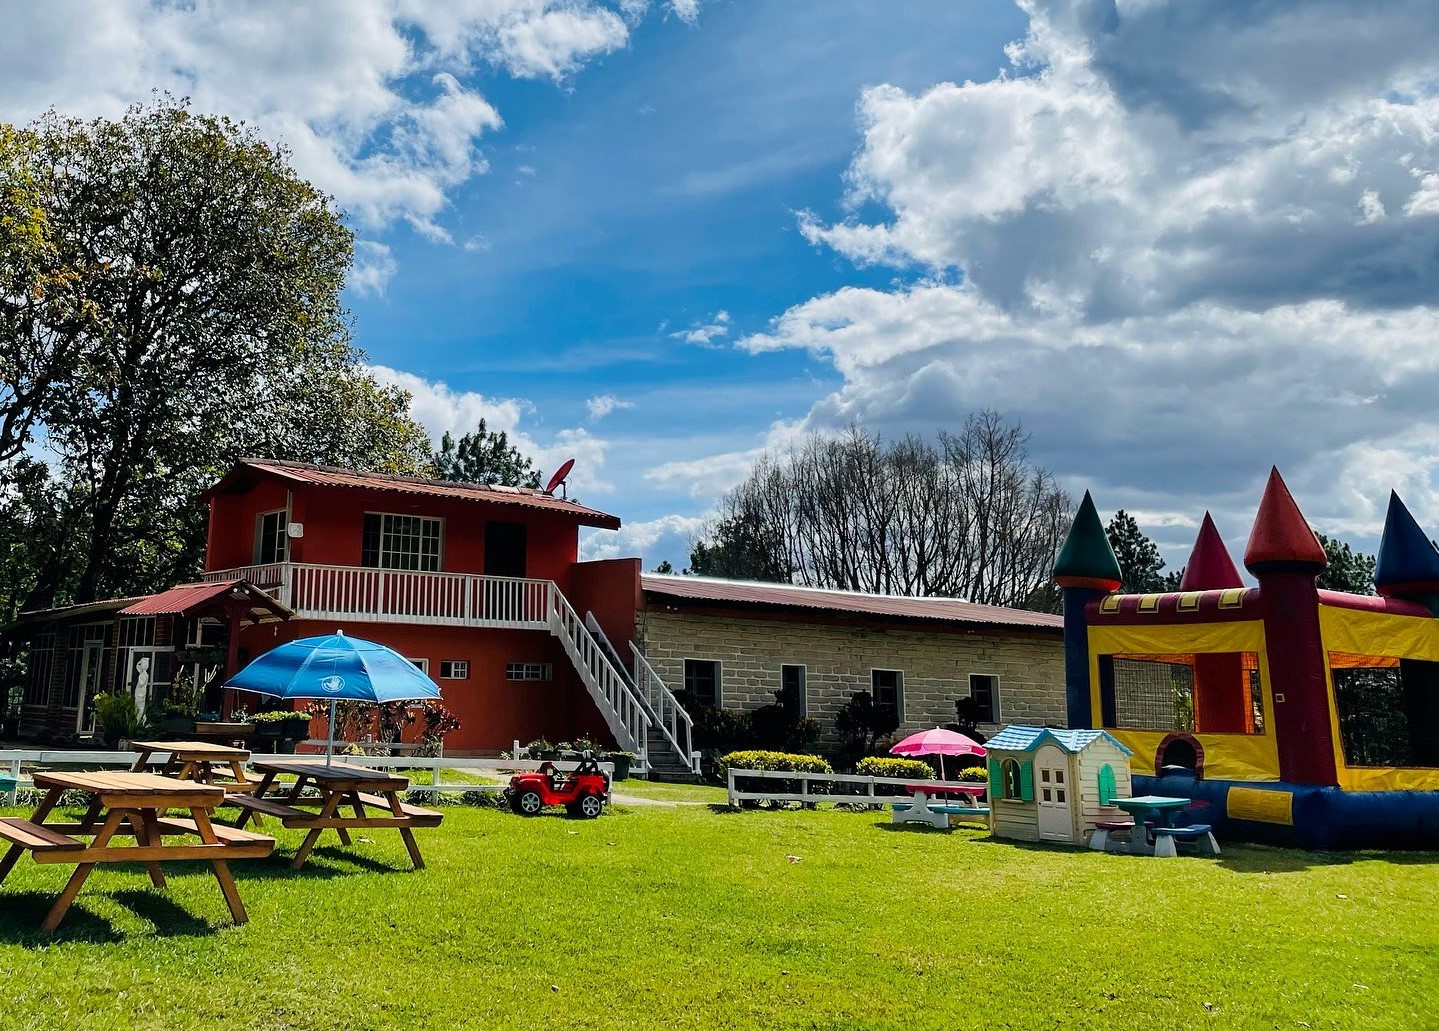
{"x":128,"y":804}
{"x":926,"y":804}
{"x":371,"y":796}
{"x":200,"y":761}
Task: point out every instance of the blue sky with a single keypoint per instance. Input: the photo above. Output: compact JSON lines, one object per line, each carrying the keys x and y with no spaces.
{"x":1177,"y":240}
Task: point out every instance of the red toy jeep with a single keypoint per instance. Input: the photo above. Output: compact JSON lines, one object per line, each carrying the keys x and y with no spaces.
{"x":582,"y":792}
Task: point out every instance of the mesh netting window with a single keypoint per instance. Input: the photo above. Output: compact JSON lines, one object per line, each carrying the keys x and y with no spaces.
{"x":1210,"y":692}
{"x":1388,"y":710}
{"x":1153,"y":695}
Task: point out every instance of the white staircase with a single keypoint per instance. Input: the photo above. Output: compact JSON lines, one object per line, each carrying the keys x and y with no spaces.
{"x":613,"y":695}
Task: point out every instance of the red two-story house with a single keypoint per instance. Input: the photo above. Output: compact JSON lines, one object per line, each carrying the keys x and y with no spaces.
{"x":481,"y":586}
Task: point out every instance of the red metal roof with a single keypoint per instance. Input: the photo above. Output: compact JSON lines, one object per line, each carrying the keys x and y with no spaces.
{"x":744,"y":592}
{"x":185,"y":598}
{"x":328,"y":476}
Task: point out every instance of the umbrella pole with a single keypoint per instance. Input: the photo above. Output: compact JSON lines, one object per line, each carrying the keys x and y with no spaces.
{"x":941,"y":766}
{"x":330,"y":743}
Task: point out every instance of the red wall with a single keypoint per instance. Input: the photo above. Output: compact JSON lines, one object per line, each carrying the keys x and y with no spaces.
{"x":609,"y":588}
{"x":494,"y":712}
{"x":333,"y":518}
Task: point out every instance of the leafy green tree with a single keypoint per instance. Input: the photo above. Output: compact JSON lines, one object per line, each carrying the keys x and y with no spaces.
{"x":192,"y":281}
{"x":741,"y":547}
{"x":1348,"y":570}
{"x":664,"y":568}
{"x":485,"y":456}
{"x":1139,"y":560}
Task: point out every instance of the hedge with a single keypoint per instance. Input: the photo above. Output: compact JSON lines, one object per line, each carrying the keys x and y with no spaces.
{"x":783,"y":761}
{"x":974,"y":773}
{"x":878,"y":766}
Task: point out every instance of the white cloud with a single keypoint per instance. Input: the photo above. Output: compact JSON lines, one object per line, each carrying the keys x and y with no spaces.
{"x":370,"y":96}
{"x":669,"y":535}
{"x":440,"y":409}
{"x":1170,"y":243}
{"x":373,"y":268}
{"x":705,"y":334}
{"x":603,"y":404}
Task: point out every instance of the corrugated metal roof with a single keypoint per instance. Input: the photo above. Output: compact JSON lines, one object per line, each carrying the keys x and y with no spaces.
{"x":329,"y":476}
{"x":1027,"y":739}
{"x":186,"y":598}
{"x":703,"y":588}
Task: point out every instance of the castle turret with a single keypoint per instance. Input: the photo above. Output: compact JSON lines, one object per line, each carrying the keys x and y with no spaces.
{"x":1086,"y":569}
{"x":1408,"y":562}
{"x":1221,"y":701}
{"x":1285,"y":555}
{"x":1209,"y":567}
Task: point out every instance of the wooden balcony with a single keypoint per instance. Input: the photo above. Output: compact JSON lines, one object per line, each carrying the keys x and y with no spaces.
{"x":396,"y":596}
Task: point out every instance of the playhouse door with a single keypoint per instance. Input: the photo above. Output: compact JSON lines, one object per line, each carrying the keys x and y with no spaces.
{"x":1052,"y":791}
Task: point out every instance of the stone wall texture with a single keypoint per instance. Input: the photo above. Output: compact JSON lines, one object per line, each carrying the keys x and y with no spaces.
{"x":838,"y":659}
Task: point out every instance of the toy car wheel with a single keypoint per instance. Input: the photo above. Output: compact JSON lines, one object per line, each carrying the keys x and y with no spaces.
{"x":528,"y":803}
{"x":590,"y":806}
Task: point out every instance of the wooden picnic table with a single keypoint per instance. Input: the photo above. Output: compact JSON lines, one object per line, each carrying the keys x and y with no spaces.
{"x":197,"y":761}
{"x":372,"y":796}
{"x":129,"y":804}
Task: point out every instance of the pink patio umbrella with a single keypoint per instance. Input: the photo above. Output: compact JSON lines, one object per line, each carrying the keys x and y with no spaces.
{"x":938,"y":742}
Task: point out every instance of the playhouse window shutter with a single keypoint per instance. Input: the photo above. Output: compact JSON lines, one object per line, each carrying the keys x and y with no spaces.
{"x":1106,"y":784}
{"x":1026,"y":782}
{"x":996,"y":779}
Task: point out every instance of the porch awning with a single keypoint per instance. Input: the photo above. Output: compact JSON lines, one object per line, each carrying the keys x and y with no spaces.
{"x":190,"y":599}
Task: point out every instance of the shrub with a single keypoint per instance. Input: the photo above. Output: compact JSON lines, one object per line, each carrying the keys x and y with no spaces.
{"x":280,"y":716}
{"x":975,"y":773}
{"x":116,"y":716}
{"x":913,"y":769}
{"x":783,"y":761}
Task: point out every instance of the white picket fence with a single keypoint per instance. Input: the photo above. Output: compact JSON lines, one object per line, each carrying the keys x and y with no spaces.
{"x":859,"y":790}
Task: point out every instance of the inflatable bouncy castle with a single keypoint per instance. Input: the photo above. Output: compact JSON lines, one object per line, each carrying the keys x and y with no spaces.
{"x":1300,"y":715}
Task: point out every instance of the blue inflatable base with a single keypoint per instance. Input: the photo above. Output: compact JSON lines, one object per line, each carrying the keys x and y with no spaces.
{"x":1323,"y":818}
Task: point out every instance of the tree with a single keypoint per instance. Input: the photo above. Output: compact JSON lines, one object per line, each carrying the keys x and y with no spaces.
{"x":1348,"y":570}
{"x":1139,"y":560}
{"x":193,"y":281}
{"x":664,"y":568}
{"x":968,"y":515}
{"x":485,"y":456}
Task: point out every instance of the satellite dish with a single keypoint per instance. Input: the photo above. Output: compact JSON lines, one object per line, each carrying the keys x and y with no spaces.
{"x":559,"y":476}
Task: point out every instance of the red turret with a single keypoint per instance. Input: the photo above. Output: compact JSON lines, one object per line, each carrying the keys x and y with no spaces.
{"x":1286,"y":556}
{"x":1209,"y":567}
{"x":1281,"y":541}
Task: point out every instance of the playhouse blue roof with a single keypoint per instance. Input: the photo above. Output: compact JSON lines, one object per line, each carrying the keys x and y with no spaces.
{"x":1027,"y":739}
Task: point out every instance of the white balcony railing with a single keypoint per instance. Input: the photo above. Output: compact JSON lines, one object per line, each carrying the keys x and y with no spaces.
{"x":398,"y":596}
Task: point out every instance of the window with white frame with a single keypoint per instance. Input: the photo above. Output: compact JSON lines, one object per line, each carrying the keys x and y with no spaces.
{"x":454,"y":669}
{"x":271,"y":537}
{"x":887,"y":689}
{"x":423,"y":665}
{"x":400,"y":542}
{"x":984,"y":689}
{"x":529,"y":671}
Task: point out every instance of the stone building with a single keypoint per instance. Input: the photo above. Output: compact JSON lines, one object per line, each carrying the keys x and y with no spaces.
{"x":741,"y":645}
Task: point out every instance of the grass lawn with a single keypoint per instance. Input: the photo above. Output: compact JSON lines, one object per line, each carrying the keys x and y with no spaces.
{"x":666,"y":792}
{"x":685,"y":917}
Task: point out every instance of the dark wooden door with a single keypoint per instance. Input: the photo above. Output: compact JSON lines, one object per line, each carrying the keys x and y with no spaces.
{"x":505,"y":545}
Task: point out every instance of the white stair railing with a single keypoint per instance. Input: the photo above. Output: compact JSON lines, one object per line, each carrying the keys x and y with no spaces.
{"x":671,"y":720}
{"x":617,"y":701}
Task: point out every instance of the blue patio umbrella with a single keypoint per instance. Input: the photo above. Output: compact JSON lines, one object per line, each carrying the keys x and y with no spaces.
{"x":337,"y":668}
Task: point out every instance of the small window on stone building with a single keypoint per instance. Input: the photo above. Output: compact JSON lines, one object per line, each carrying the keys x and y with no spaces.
{"x":791,"y":691}
{"x":887,"y":688}
{"x":702,"y":681}
{"x":984,"y":689}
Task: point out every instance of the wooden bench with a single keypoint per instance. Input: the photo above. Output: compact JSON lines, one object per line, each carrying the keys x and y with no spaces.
{"x":288,"y":815}
{"x":225,"y":835}
{"x":19,"y":831}
{"x":1104,"y":829}
{"x":418,"y":816}
{"x":1200,"y":835}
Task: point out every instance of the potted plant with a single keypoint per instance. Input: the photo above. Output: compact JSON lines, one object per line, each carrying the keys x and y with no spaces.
{"x":116,"y":717}
{"x":539,"y":748}
{"x":622,"y":762}
{"x":284,"y":727}
{"x":177,"y":712}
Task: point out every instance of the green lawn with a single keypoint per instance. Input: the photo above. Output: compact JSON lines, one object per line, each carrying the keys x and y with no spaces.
{"x":685,"y":917}
{"x":666,"y":792}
